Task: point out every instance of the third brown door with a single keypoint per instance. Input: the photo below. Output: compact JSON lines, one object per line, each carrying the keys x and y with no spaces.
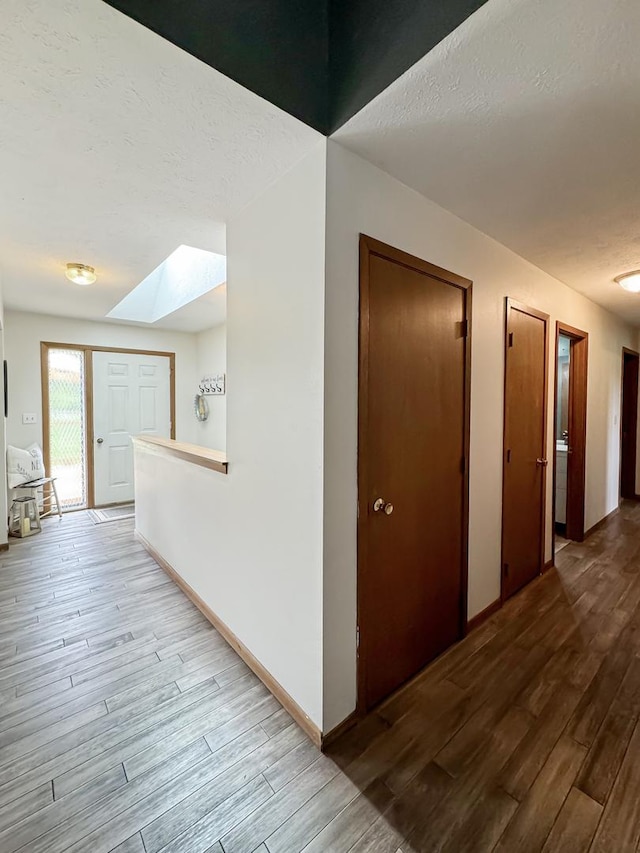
{"x":524,"y":464}
{"x":628,"y":452}
{"x":412,"y":474}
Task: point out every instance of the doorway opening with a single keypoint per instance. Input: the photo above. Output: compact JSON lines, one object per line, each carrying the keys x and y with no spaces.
{"x":629,"y":424}
{"x":413,"y":414}
{"x":94,"y":400}
{"x":525,"y":442}
{"x":570,"y":435}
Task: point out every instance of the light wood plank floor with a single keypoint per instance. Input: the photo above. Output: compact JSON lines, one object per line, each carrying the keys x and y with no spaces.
{"x":128,"y":725}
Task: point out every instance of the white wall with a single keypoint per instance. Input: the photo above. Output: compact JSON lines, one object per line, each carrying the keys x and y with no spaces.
{"x":250,"y":543}
{"x":23,"y":335}
{"x":361,"y":198}
{"x":211,"y":358}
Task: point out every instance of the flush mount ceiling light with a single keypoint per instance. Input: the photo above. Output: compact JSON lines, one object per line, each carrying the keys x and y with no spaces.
{"x":81,"y":274}
{"x":629,"y":281}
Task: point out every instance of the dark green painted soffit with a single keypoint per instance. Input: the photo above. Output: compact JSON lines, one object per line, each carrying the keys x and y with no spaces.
{"x":319,"y":60}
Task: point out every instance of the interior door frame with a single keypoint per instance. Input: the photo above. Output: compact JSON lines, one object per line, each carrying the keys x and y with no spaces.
{"x":514,"y":304}
{"x":88,"y":350}
{"x":576,"y":458}
{"x":368,"y":247}
{"x":635,"y":355}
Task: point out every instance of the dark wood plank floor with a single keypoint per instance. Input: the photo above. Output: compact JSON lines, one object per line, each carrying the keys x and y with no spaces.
{"x":127,"y":724}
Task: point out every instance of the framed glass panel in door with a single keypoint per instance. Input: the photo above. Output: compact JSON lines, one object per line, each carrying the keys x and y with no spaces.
{"x":67,"y":427}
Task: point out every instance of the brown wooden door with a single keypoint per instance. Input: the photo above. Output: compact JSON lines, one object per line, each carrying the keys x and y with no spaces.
{"x":413,"y":433}
{"x":525,"y":417}
{"x":630,"y":363}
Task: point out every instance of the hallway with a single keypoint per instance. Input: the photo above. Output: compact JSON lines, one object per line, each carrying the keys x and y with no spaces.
{"x":126,"y":722}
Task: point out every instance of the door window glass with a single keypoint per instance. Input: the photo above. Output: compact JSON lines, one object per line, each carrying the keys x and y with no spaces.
{"x":67,"y":426}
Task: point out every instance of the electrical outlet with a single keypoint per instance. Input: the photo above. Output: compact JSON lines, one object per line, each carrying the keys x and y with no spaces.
{"x":28,"y":418}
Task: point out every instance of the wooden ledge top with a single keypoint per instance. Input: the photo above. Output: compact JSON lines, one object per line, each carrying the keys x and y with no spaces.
{"x":216,"y":460}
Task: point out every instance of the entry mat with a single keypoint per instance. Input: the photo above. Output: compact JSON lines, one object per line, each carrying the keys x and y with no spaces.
{"x":112,"y":513}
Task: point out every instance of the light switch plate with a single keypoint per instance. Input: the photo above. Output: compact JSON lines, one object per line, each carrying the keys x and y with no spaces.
{"x":28,"y":418}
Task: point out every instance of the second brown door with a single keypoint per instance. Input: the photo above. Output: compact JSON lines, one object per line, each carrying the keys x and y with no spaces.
{"x":525,"y":417}
{"x":628,"y":452}
{"x":412,"y":480}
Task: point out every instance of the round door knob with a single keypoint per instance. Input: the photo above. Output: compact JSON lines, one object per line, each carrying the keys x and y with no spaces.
{"x":380,"y":505}
{"x":100,"y":440}
{"x":388,"y":509}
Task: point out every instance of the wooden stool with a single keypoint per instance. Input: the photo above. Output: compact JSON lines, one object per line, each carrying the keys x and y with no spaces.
{"x":50,"y":502}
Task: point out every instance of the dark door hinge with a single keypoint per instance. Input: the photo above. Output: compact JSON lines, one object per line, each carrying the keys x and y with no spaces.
{"x":510,"y":339}
{"x":509,"y":455}
{"x":464,"y":329}
{"x":505,"y":569}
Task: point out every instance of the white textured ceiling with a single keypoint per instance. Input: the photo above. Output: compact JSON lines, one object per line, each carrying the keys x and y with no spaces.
{"x":115,"y":148}
{"x":525,"y":122}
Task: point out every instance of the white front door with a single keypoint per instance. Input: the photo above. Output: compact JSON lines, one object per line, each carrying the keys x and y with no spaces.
{"x":131,"y":396}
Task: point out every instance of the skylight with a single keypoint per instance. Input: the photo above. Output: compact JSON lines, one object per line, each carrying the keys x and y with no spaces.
{"x":184,"y":276}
